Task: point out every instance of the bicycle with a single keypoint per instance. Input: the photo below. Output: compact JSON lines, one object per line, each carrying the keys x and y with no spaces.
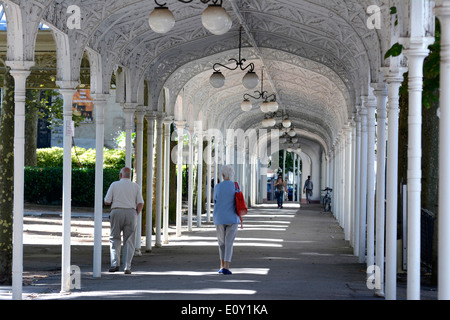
{"x":327,"y":200}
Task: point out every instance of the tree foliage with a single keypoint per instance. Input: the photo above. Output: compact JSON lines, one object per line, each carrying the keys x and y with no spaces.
{"x":6,"y":179}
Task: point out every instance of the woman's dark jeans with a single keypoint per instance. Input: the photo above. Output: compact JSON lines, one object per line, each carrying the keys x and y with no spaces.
{"x":280,"y":197}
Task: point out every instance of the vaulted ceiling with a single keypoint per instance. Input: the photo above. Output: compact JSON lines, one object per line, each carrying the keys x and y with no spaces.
{"x":318,"y":56}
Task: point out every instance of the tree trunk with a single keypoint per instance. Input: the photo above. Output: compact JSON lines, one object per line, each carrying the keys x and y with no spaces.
{"x":31,"y":121}
{"x":430,"y":172}
{"x":172,"y":181}
{"x":6,"y":180}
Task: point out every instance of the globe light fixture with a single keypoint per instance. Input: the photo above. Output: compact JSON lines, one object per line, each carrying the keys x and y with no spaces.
{"x":269,"y":122}
{"x":217,"y":80}
{"x":250,"y":80}
{"x":161,"y":20}
{"x":267,"y":106}
{"x":246,"y":105}
{"x":292,"y":133}
{"x":273,"y":106}
{"x":286,"y":123}
{"x":216,"y":19}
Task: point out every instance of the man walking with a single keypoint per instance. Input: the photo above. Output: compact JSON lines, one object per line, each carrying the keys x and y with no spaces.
{"x":125,"y":198}
{"x":308,"y":189}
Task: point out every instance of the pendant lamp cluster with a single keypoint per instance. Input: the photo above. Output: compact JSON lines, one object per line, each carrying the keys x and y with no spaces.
{"x":269,"y":105}
{"x":215,"y":18}
{"x":270,"y":120}
{"x":289,"y":138}
{"x":250,"y":80}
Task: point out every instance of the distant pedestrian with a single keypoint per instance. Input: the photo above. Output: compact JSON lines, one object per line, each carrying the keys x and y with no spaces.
{"x":225,"y":217}
{"x":280,"y":187}
{"x":308,"y":189}
{"x":125,"y":198}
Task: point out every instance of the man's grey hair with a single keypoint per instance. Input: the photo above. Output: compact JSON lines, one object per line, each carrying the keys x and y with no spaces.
{"x":227,"y":172}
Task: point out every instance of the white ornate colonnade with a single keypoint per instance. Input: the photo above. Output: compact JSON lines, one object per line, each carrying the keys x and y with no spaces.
{"x":330,"y":77}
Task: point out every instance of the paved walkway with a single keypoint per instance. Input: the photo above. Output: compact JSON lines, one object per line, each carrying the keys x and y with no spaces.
{"x":287,"y":254}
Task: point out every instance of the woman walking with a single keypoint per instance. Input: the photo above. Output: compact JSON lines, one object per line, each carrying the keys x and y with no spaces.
{"x":225,"y":218}
{"x":280,"y":186}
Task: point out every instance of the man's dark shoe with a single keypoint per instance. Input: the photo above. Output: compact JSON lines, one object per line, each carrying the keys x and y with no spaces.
{"x":114,"y":269}
{"x":127,"y":272}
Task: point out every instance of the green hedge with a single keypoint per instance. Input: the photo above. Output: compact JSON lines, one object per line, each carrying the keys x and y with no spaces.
{"x":53,"y":157}
{"x":44,"y":185}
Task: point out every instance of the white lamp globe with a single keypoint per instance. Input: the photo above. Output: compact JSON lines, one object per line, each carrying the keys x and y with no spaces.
{"x":161,"y":20}
{"x":216,"y":20}
{"x":292,"y":133}
{"x":287,"y":123}
{"x":290,"y":149}
{"x":273,"y":106}
{"x":217,"y":80}
{"x":250,"y":80}
{"x":265,"y":107}
{"x":246,"y":106}
{"x":299,"y":150}
{"x":271,"y":122}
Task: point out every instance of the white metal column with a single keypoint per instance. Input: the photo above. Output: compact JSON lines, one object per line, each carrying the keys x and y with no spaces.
{"x":140,"y":113}
{"x":128,"y":110}
{"x":363,"y":186}
{"x":180,"y":130}
{"x":357,"y":189}
{"x":150,"y":117}
{"x":159,"y":177}
{"x":199,"y":176}
{"x":381,"y":94}
{"x":99,"y":105}
{"x":443,"y":13}
{"x":371,"y":107}
{"x":394,"y":80}
{"x":190,"y":178}
{"x":167,"y":124}
{"x":20,"y":74}
{"x":67,"y":94}
{"x":416,"y":53}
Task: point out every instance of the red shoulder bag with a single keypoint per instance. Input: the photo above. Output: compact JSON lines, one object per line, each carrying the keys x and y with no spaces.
{"x":241,"y":207}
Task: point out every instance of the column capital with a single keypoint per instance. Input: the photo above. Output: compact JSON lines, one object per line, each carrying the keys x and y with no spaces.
{"x":168,"y":120}
{"x":180,"y":124}
{"x":67,"y":85}
{"x":140,"y":109}
{"x":160,"y":115}
{"x":150,"y":116}
{"x":380,"y":89}
{"x":129,"y":106}
{"x":417,"y":47}
{"x":19,"y":65}
{"x":100,"y":97}
{"x":370,"y":103}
